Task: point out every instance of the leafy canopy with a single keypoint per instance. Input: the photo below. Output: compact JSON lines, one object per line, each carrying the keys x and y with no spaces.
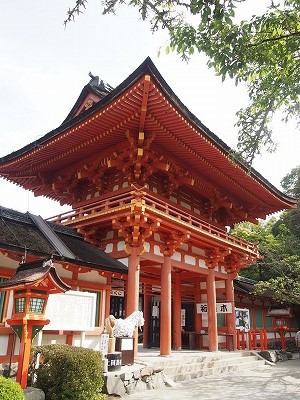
{"x":261,"y":51}
{"x":278,"y":241}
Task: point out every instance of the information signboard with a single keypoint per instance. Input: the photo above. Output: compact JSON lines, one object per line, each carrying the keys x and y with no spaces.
{"x":72,"y":311}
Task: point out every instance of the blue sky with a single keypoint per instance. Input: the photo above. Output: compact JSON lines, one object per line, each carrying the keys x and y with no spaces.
{"x":44,"y":67}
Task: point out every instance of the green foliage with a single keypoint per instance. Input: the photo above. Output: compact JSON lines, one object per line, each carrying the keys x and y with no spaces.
{"x":262,"y":51}
{"x":279,"y":245}
{"x":70,"y":373}
{"x":291,"y":183}
{"x":10,"y":390}
{"x":268,"y":265}
{"x":282,"y":289}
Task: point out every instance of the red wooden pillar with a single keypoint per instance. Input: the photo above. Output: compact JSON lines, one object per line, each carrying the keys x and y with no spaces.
{"x":133,"y":282}
{"x":75,"y":275}
{"x":107,"y":298}
{"x":211,"y":311}
{"x":69,"y":338}
{"x":24,"y":354}
{"x":165,"y":308}
{"x":177,"y":311}
{"x":198,"y":317}
{"x":133,"y":286}
{"x":230,"y":318}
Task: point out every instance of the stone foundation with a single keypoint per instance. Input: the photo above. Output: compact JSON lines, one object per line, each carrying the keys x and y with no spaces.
{"x":141,"y":380}
{"x":4,"y":370}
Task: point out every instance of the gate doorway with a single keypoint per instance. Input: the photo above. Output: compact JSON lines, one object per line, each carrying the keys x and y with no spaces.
{"x":117,"y":306}
{"x":154,"y":325}
{"x":187,"y":323}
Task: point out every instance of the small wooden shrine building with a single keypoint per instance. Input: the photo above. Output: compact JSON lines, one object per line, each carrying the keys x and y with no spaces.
{"x":153,"y":187}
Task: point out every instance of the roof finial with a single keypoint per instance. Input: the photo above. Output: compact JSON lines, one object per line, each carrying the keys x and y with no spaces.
{"x":95,"y":79}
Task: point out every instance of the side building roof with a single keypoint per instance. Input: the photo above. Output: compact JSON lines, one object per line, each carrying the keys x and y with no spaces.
{"x":19,"y":233}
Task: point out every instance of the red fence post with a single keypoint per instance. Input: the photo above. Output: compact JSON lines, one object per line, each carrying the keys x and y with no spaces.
{"x":238,"y":342}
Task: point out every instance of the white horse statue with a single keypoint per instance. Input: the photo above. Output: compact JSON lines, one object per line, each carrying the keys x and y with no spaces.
{"x":126,"y":327}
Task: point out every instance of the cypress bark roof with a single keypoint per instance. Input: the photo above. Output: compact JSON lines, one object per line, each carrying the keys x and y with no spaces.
{"x":32,"y":273}
{"x":19,"y":233}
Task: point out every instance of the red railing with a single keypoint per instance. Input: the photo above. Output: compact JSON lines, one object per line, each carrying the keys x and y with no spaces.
{"x":157,"y":205}
{"x":252,"y":339}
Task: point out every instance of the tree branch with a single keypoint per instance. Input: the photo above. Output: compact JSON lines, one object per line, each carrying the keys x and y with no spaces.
{"x":273,"y":39}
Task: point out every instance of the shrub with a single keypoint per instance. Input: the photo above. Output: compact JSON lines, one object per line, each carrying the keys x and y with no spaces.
{"x":70,"y":373}
{"x":10,"y":390}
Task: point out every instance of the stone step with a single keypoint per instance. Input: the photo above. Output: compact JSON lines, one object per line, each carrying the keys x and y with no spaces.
{"x":225,"y":369}
{"x":195,"y":366}
{"x":160,"y":371}
{"x":208,"y":357}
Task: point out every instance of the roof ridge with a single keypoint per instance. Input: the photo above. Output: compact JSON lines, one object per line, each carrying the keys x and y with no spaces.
{"x":51,"y":236}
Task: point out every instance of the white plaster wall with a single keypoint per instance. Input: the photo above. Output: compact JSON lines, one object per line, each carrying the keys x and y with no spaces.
{"x":147,"y":247}
{"x":157,"y":251}
{"x":121,"y":245}
{"x":90,"y":342}
{"x":7,"y":262}
{"x":223,"y":270}
{"x":184,"y":247}
{"x":109,"y":248}
{"x":9,"y":306}
{"x":92,"y":276}
{"x":157,"y":237}
{"x":220,"y":284}
{"x":109,"y":235}
{"x":50,"y":339}
{"x":198,"y":251}
{"x":201,"y":263}
{"x":185,"y":205}
{"x":203,"y":297}
{"x":176,"y":256}
{"x":3,"y":344}
{"x":17,"y":346}
{"x":189,"y":260}
{"x":62,"y":272}
{"x":204,"y":320}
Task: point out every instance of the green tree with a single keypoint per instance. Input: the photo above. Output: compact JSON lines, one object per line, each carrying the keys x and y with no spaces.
{"x":291,"y":183}
{"x":268,"y":265}
{"x":261,"y":51}
{"x":279,"y":244}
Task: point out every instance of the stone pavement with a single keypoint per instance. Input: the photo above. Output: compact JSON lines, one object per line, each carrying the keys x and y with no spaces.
{"x":278,"y":382}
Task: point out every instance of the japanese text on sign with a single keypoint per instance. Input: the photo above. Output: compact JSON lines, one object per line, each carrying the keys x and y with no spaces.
{"x":221,"y":308}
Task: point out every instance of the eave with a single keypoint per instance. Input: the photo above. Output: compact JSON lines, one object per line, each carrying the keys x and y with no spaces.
{"x":103,"y":126}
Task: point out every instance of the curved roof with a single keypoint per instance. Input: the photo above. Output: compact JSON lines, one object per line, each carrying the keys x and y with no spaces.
{"x":143,"y":103}
{"x":29,"y":274}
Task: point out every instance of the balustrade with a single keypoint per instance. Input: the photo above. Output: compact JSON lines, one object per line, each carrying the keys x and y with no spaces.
{"x":155,"y":204}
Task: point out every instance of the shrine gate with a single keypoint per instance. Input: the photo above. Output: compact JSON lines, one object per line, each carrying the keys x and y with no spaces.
{"x":153,"y":187}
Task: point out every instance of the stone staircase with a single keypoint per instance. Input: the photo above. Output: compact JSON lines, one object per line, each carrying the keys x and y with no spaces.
{"x":154,"y":372}
{"x":191,"y":367}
